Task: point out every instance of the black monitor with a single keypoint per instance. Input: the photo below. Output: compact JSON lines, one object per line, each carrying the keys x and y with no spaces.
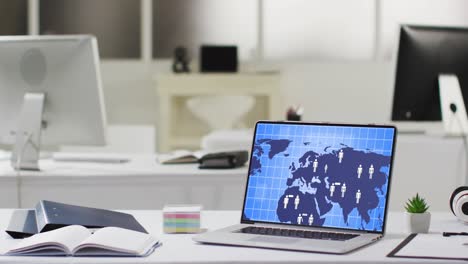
{"x":424,"y":53}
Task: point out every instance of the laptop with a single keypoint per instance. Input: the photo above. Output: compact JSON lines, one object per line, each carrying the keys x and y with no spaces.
{"x":314,"y":187}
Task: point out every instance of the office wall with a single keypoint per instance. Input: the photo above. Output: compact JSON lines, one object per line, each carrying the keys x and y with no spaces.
{"x":339,"y":91}
{"x":329,"y":91}
{"x":129,"y":92}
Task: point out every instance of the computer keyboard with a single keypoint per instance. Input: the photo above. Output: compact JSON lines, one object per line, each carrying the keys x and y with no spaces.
{"x":297,"y":233}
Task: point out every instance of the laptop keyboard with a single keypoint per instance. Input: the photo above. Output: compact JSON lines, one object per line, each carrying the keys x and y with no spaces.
{"x":297,"y":233}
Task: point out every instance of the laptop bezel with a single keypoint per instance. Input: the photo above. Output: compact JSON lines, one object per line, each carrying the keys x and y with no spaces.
{"x":384,"y":224}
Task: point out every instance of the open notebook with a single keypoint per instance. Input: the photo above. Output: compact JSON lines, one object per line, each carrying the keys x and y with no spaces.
{"x":79,"y":241}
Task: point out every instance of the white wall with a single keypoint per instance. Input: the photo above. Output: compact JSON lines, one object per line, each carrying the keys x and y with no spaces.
{"x":340,"y":91}
{"x":329,"y":91}
{"x":128,"y":92}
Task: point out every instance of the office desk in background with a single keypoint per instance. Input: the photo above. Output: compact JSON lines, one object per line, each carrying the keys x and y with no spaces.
{"x":141,"y":183}
{"x":430,"y":165}
{"x":179,"y":248}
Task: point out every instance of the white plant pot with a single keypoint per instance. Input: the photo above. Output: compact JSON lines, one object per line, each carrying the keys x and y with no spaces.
{"x":418,"y":223}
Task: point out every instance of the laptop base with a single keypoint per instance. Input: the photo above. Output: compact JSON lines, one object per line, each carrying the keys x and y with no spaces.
{"x":231,"y":236}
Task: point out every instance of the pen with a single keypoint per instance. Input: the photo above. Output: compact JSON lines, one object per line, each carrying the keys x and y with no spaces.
{"x":447,"y":234}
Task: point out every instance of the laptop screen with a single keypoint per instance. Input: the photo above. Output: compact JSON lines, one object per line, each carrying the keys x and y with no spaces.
{"x":320,"y":175}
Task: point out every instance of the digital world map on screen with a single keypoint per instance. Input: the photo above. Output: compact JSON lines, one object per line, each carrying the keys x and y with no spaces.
{"x":331,"y":176}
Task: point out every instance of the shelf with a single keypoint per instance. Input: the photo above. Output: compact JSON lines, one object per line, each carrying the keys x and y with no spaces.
{"x":195,"y":84}
{"x":179,"y":128}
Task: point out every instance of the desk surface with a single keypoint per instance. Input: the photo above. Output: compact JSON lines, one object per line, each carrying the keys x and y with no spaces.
{"x":433,"y":166}
{"x":138,"y":166}
{"x":142,"y":183}
{"x":179,"y":248}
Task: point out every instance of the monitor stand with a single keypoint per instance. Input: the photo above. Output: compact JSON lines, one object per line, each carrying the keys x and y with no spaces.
{"x":25,"y":155}
{"x":454,"y":117}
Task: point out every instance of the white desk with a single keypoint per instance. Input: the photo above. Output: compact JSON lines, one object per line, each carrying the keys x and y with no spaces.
{"x":139,"y":184}
{"x":430,"y":165}
{"x":179,"y":248}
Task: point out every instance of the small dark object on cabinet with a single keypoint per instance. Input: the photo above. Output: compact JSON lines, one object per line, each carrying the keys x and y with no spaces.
{"x":218,"y":58}
{"x":181,"y":60}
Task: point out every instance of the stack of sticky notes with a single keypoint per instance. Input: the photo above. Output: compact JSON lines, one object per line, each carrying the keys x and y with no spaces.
{"x":181,"y":218}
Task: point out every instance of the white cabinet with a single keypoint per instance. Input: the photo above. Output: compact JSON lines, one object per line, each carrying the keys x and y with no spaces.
{"x":178,"y":128}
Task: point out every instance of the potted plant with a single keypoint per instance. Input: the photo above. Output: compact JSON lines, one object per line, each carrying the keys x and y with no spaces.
{"x":417,"y":216}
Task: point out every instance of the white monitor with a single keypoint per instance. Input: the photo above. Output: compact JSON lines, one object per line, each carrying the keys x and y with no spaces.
{"x":49,"y":85}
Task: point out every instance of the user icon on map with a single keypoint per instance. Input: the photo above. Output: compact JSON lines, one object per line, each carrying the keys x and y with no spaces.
{"x":311,"y":219}
{"x":343,"y":190}
{"x":358,"y":196}
{"x":299,"y":219}
{"x":340,"y":156}
{"x":285,"y":201}
{"x":326,"y":168}
{"x":315,"y":165}
{"x":296,"y":202}
{"x":371,"y":171}
{"x":332,"y":189}
{"x":359,"y":171}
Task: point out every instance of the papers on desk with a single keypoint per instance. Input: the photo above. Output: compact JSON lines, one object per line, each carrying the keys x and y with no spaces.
{"x":432,"y":246}
{"x":90,"y":157}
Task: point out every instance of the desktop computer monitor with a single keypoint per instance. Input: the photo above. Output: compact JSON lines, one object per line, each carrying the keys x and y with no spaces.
{"x":424,"y":53}
{"x":50,"y":93}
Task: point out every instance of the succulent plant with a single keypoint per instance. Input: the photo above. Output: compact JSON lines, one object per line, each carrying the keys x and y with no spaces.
{"x":416,"y":205}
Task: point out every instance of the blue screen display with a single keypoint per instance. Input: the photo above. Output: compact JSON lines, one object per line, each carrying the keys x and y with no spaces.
{"x":320,"y":175}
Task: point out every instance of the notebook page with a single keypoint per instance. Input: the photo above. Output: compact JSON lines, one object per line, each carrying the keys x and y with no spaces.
{"x":436,"y":245}
{"x":119,"y":239}
{"x":177,"y":156}
{"x":67,"y":237}
{"x":199,"y":154}
{"x":44,"y":251}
